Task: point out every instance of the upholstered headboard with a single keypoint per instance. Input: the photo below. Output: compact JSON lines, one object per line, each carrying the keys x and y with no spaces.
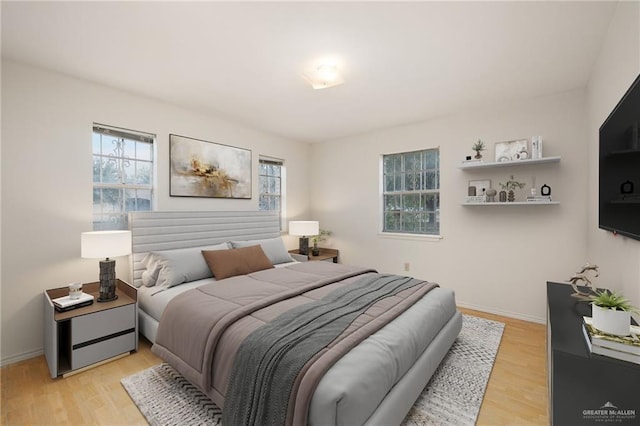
{"x":166,"y":230}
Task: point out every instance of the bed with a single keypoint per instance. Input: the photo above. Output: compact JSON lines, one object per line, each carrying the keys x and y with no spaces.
{"x":376,"y":380}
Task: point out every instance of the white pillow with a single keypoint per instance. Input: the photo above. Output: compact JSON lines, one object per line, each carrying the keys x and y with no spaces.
{"x":152,"y":269}
{"x":168,"y":268}
{"x":273,"y":247}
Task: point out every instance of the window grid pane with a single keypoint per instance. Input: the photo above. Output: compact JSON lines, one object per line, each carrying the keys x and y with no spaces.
{"x":270,"y":186}
{"x":411,"y":192}
{"x":122,"y":177}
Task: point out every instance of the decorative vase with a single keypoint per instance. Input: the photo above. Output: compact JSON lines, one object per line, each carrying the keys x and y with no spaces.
{"x":611,"y":321}
{"x":511,"y":197}
{"x":315,"y":250}
{"x":503,"y":196}
{"x":478,"y":155}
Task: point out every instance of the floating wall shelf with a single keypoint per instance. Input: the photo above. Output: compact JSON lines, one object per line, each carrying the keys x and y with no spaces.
{"x":514,"y":203}
{"x":488,"y":165}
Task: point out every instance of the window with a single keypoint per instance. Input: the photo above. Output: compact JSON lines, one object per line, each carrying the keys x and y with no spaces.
{"x":122,"y":175}
{"x":411,"y":192}
{"x":271,"y":185}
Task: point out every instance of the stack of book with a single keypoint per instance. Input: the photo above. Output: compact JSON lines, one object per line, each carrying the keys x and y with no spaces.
{"x":66,"y":303}
{"x":476,"y":199}
{"x":626,"y":348}
{"x":539,"y":199}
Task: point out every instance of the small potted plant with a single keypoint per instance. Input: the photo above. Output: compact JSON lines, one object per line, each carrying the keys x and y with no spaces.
{"x":319,"y":238}
{"x":510,"y":186}
{"x":478,"y":147}
{"x":611,"y":312}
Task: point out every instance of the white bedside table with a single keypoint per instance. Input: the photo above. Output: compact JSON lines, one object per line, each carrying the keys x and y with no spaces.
{"x":91,"y":335}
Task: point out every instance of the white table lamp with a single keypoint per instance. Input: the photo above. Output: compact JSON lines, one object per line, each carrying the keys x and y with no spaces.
{"x":304,"y":229}
{"x":103,"y":245}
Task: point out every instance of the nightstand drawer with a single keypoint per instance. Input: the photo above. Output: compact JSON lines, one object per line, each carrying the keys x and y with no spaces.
{"x":100,"y":324}
{"x":102,"y":350}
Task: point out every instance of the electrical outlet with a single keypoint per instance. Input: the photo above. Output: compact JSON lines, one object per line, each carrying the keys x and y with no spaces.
{"x":407,"y":266}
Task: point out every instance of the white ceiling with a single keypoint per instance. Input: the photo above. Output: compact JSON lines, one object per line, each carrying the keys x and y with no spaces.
{"x":402,"y":62}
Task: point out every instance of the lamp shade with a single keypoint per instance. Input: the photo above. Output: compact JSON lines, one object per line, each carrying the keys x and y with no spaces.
{"x":104,"y":244}
{"x":304,"y":227}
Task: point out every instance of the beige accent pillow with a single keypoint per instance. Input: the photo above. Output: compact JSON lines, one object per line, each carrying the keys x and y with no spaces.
{"x":240,"y":261}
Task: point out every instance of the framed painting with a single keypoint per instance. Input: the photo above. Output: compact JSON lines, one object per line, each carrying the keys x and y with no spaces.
{"x":206,"y":169}
{"x":512,"y":151}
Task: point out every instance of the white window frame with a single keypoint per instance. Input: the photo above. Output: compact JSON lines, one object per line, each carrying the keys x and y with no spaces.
{"x":399,"y":234}
{"x":119,"y":219}
{"x":282,"y":194}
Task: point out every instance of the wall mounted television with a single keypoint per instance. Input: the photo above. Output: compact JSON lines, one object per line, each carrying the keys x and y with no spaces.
{"x":619,"y":179}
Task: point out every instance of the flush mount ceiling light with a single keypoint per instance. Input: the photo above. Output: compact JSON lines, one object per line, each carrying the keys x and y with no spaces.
{"x":324,"y":76}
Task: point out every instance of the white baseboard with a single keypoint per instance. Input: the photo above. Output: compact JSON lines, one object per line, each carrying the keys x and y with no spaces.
{"x":503,"y":313}
{"x":20,"y":357}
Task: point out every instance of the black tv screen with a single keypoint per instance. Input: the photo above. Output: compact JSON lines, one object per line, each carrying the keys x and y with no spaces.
{"x":619,"y":182}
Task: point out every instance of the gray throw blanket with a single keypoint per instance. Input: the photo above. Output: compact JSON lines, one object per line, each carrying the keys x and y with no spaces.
{"x":270,"y":358}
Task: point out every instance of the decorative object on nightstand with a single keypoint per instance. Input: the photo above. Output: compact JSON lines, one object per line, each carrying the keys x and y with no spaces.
{"x":66,"y":303}
{"x":319,"y":238}
{"x":75,"y":291}
{"x":304,"y":229}
{"x":106,"y":244}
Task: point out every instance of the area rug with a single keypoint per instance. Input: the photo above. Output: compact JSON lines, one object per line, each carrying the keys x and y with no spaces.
{"x":452,"y":397}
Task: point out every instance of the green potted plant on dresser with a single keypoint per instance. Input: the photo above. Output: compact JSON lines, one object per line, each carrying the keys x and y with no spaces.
{"x":611,"y":312}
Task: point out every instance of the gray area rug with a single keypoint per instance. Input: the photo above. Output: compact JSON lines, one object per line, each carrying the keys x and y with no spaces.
{"x":452,"y":397}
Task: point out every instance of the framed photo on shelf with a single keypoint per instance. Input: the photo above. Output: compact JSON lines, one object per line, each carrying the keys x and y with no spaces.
{"x":480,"y":185}
{"x":512,"y":150}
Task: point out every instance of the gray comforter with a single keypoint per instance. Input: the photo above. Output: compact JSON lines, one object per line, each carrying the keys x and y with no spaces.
{"x":201,"y":330}
{"x":267,"y":371}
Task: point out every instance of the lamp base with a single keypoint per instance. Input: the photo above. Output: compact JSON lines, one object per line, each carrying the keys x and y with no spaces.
{"x":107,"y":280}
{"x":304,"y":246}
{"x":107,"y":300}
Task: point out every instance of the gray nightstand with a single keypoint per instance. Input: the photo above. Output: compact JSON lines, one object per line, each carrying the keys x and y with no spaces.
{"x":90,"y":335}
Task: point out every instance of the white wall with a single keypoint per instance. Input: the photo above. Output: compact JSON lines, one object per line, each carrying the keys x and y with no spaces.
{"x":617,"y":66}
{"x":496,"y":258}
{"x":47,"y":183}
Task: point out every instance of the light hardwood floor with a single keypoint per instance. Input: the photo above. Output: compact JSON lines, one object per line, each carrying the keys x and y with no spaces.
{"x":516,"y":393}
